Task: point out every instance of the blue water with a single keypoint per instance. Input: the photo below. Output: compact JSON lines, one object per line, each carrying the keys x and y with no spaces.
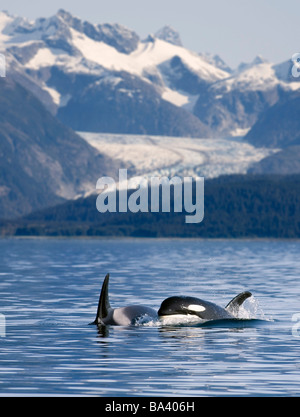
{"x":49,"y":293}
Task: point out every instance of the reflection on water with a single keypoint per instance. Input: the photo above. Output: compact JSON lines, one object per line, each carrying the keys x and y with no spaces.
{"x":49,"y":294}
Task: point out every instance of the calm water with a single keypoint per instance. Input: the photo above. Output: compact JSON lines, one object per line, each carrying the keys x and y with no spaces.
{"x":49,"y":293}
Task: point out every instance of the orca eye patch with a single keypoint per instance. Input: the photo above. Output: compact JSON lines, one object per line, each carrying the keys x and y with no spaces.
{"x":195,"y":307}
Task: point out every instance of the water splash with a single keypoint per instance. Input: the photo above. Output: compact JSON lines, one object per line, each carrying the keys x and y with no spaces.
{"x":251,"y":309}
{"x":180,"y":320}
{"x":145,"y":320}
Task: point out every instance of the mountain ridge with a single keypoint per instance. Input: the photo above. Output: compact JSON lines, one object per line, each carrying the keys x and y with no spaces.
{"x":58,"y":51}
{"x":64,"y":73}
{"x":42,"y":162}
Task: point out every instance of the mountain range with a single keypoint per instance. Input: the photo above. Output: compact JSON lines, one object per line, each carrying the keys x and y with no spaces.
{"x":104,"y":78}
{"x":65,"y":75}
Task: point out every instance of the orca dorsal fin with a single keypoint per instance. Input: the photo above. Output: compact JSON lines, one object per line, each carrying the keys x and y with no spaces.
{"x":233,"y":306}
{"x":103,"y":305}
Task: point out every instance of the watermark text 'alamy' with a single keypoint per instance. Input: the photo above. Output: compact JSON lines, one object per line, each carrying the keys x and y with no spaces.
{"x":138,"y":201}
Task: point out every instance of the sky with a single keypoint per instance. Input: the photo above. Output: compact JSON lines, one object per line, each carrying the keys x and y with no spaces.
{"x":237,"y":30}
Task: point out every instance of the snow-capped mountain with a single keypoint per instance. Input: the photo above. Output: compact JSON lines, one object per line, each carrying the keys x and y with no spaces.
{"x":107,"y":66}
{"x":234,"y":104}
{"x":104,"y":78}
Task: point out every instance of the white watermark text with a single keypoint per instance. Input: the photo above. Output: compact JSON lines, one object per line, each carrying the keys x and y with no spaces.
{"x":188,"y":194}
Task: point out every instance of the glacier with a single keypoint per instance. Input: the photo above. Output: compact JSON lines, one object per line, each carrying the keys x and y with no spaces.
{"x":158,"y":156}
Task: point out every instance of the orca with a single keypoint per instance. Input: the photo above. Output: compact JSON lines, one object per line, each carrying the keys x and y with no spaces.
{"x":123,"y":316}
{"x":195,"y":309}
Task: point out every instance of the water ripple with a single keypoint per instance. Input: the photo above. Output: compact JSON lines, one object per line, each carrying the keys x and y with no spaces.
{"x":49,"y":293}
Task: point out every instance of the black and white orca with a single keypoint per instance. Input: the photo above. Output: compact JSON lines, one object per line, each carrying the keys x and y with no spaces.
{"x":195,"y":309}
{"x":123,"y":316}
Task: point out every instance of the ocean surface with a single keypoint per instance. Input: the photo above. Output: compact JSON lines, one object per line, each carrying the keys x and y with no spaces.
{"x":49,"y":291}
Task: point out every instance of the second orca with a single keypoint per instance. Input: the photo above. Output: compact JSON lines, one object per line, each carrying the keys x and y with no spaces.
{"x":194,"y":309}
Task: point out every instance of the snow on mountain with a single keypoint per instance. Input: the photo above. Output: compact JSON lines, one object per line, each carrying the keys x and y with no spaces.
{"x":64,"y":40}
{"x":149,"y":53}
{"x":216,"y":61}
{"x":156,"y":53}
{"x":59,"y":51}
{"x":259,"y":75}
{"x":234,"y":104}
{"x":66,"y":57}
{"x":147,"y":56}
